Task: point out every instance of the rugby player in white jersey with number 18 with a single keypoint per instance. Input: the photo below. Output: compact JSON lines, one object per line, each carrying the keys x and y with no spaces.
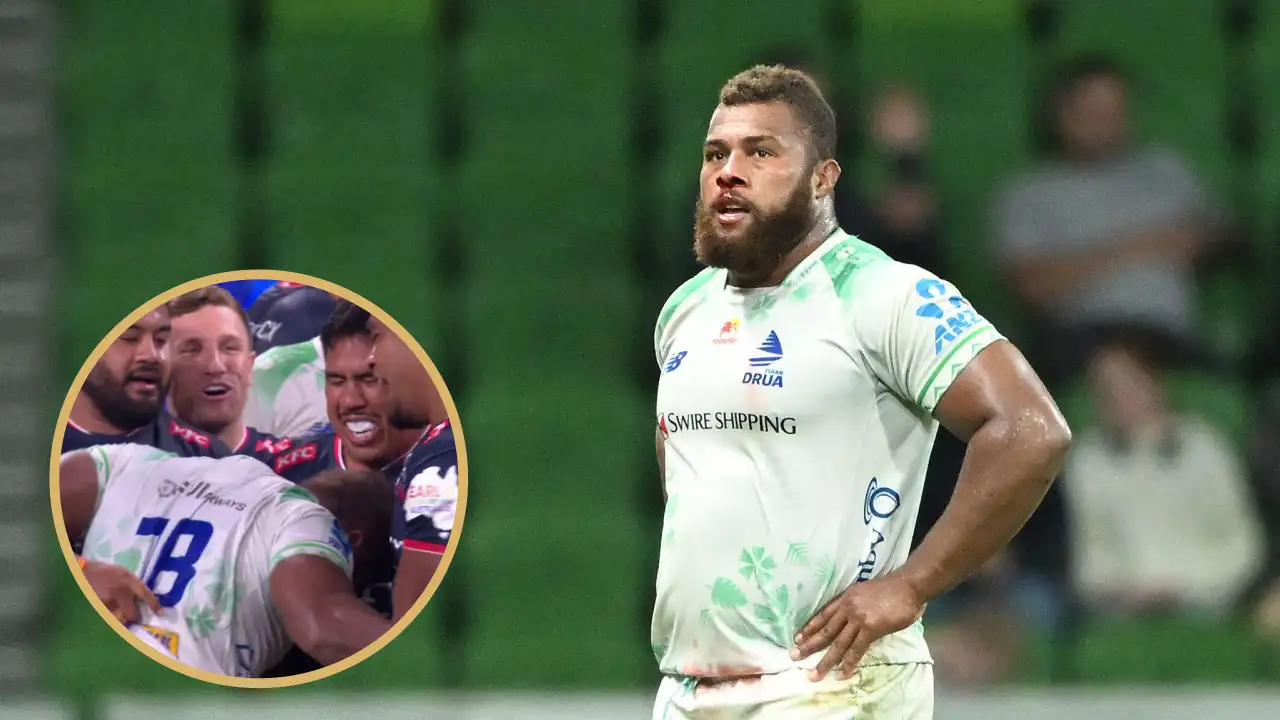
{"x":242,"y":563}
{"x":804,"y":376}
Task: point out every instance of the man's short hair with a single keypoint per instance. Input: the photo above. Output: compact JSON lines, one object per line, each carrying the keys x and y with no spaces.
{"x":359,"y":499}
{"x":1077,"y":70}
{"x":347,"y":320}
{"x":211,"y":296}
{"x":779,"y":83}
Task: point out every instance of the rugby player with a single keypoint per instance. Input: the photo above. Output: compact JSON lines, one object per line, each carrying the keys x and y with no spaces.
{"x":358,"y":405}
{"x":427,"y":486}
{"x":122,"y":400}
{"x":242,"y":562}
{"x":286,"y":397}
{"x":804,"y":375}
{"x":212,"y":368}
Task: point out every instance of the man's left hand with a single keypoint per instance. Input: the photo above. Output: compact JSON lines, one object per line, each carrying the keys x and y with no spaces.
{"x":855,"y":619}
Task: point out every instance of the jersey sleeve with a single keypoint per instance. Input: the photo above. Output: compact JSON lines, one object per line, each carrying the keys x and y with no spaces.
{"x":430,"y":502}
{"x":112,"y":461}
{"x":918,"y":332}
{"x":306,"y":528}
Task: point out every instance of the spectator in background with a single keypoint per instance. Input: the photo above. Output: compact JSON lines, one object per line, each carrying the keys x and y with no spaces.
{"x":1107,"y":234}
{"x":1264,"y":471}
{"x":1161,"y":514}
{"x":903,"y":217}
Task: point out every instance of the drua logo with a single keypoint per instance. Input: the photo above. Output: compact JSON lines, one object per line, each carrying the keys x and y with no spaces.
{"x":768,"y":353}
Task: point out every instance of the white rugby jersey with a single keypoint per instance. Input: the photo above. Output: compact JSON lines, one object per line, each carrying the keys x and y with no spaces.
{"x":798,"y":425}
{"x":286,"y":398}
{"x":204,"y":535}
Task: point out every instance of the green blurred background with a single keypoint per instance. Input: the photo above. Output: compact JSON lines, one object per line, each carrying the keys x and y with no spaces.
{"x":500,"y":177}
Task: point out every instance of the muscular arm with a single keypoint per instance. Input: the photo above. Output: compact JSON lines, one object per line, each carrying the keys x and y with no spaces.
{"x":321,"y":612}
{"x":78,"y":493}
{"x":416,"y":569}
{"x":1017,"y":441}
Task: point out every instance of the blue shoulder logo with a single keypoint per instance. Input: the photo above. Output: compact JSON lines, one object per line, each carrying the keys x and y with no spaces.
{"x":952,"y":312}
{"x":675,"y":361}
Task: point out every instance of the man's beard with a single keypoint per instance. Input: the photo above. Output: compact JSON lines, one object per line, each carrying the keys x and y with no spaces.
{"x":112,"y":400}
{"x":762,"y":246}
{"x":404,"y":418}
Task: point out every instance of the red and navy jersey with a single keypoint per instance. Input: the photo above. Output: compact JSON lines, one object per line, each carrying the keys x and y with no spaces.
{"x":427,"y":489}
{"x":164,"y":432}
{"x":288,"y":313}
{"x":261,"y":446}
{"x":301,"y":458}
{"x":297,"y":459}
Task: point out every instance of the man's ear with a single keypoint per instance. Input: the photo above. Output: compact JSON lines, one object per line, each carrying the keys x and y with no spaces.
{"x":825,"y":176}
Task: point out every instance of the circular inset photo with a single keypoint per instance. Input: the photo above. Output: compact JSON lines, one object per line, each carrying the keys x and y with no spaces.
{"x":258,"y":479}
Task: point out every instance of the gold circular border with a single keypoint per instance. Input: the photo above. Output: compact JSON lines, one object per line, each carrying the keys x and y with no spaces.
{"x":55,"y":457}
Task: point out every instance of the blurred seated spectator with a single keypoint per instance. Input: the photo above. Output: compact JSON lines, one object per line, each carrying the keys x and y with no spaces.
{"x":1160,"y":513}
{"x":1264,"y":470}
{"x":902,"y":217}
{"x":1106,"y":233}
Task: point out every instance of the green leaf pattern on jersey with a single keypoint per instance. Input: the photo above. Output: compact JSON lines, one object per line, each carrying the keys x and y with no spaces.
{"x":797,"y":553}
{"x":222,"y":594}
{"x":130,"y":559}
{"x":826,"y":571}
{"x":773,"y":605}
{"x":845,"y":259}
{"x":726,"y":594}
{"x":669,"y":532}
{"x":157,"y":455}
{"x":659,"y":651}
{"x":760,"y":306}
{"x":279,"y":363}
{"x":296,"y":493}
{"x":200,"y":620}
{"x":757,"y":564}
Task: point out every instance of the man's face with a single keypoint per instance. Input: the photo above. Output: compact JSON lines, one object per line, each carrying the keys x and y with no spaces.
{"x":1093,"y":119}
{"x":756,"y":201}
{"x":411,"y":385}
{"x":358,"y":402}
{"x":127,"y":385}
{"x":212,"y":367}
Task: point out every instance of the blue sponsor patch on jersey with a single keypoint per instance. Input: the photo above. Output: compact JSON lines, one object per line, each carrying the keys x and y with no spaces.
{"x":945,"y":306}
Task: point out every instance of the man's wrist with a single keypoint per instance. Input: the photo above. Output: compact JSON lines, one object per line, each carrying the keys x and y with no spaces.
{"x":921,"y":583}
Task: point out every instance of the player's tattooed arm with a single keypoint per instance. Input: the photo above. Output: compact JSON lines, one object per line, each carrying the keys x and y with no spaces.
{"x":1017,"y":440}
{"x":78,"y":493}
{"x":321,"y":612}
